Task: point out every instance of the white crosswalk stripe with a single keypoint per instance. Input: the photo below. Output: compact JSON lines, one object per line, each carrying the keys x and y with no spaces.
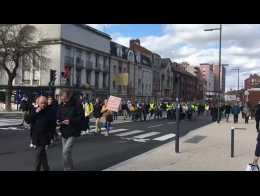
{"x":145,"y":135}
{"x":117,"y":130}
{"x":155,"y":126}
{"x":165,"y":137}
{"x":129,"y":133}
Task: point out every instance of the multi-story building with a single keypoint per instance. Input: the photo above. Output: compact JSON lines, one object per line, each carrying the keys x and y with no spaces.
{"x":252,"y":81}
{"x":121,"y":68}
{"x":218,"y":81}
{"x":143,"y":70}
{"x":78,"y":53}
{"x":167,"y":79}
{"x":156,"y":88}
{"x":208,"y":75}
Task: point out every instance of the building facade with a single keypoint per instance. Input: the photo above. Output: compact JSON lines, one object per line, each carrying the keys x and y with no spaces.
{"x":78,"y":53}
{"x":252,"y":81}
{"x":208,"y":75}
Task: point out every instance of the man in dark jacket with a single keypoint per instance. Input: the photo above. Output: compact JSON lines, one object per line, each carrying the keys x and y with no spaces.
{"x":97,"y":114}
{"x":227,"y":111}
{"x":53,"y":107}
{"x":70,"y":117}
{"x":257,"y":116}
{"x":40,"y":133}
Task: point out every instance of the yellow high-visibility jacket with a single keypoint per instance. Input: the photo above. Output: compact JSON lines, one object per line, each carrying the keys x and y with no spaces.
{"x":89,"y":108}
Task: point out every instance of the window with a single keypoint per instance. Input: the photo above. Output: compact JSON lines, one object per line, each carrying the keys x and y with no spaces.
{"x":26,"y":75}
{"x":68,"y":51}
{"x":114,"y":68}
{"x":88,"y":77}
{"x":125,"y":70}
{"x":36,"y":75}
{"x":120,"y":68}
{"x":114,"y":84}
{"x":96,"y":79}
{"x":104,"y":80}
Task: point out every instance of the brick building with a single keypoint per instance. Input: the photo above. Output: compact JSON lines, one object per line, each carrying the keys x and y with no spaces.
{"x":252,"y":81}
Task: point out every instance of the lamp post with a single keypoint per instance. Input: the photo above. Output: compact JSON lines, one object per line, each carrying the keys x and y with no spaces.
{"x":178,"y":114}
{"x":220,"y":40}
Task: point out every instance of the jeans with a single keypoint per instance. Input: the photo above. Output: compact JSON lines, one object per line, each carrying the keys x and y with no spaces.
{"x":246,"y":119}
{"x":41,"y":159}
{"x":67,"y":145}
{"x":108,"y":126}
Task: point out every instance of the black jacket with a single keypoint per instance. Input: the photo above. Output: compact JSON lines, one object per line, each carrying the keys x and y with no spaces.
{"x":257,"y":111}
{"x":52,"y":109}
{"x":97,"y":110}
{"x":40,"y":128}
{"x":72,"y":111}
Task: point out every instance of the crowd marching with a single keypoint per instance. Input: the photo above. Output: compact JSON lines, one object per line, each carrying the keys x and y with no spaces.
{"x":69,"y":118}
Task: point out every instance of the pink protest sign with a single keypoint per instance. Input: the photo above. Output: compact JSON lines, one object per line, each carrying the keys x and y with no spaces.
{"x":113,"y":103}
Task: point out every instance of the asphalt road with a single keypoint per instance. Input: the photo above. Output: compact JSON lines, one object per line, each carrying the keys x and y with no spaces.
{"x":93,"y":152}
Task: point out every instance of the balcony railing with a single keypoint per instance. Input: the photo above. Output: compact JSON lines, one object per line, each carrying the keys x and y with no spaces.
{"x":79,"y":63}
{"x":69,"y":61}
{"x":89,"y":64}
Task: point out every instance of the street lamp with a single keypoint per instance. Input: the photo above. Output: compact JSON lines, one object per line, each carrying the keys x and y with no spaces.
{"x":220,"y":40}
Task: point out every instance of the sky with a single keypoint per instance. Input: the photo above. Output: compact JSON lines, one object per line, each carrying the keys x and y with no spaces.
{"x":190,"y":43}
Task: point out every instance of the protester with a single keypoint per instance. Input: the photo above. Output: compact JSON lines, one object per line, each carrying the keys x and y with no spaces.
{"x":89,"y":108}
{"x":107,"y":115}
{"x":257,"y":115}
{"x":227,"y":111}
{"x":125,"y":112}
{"x":98,"y":115}
{"x":257,"y":151}
{"x":40,"y":132}
{"x":70,"y":118}
{"x":236,"y":111}
{"x":53,"y":108}
{"x":246,"y":112}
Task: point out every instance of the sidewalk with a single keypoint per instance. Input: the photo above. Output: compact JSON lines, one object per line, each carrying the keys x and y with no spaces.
{"x":210,"y":154}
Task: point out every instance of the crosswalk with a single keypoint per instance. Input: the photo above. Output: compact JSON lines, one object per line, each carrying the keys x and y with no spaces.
{"x":138,"y":135}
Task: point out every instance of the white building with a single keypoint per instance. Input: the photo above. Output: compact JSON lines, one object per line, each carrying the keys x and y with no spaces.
{"x":76,"y":47}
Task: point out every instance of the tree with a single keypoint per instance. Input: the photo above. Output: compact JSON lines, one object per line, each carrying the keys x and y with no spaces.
{"x":17,"y":41}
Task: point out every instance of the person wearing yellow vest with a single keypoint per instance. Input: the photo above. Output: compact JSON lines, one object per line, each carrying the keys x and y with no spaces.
{"x":88,"y":108}
{"x":168,"y":110}
{"x":151,"y":110}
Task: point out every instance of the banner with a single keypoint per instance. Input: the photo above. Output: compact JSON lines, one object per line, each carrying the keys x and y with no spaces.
{"x":113,"y":103}
{"x":121,"y":79}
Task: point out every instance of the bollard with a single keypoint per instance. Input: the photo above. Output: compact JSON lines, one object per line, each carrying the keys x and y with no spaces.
{"x":232,"y":141}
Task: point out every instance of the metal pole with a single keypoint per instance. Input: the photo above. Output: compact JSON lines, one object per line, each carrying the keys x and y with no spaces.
{"x":177,"y":116}
{"x":232,"y":141}
{"x":220,"y":37}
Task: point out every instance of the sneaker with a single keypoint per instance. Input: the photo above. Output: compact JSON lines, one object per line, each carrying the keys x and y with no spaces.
{"x":31,"y":145}
{"x":87,"y":132}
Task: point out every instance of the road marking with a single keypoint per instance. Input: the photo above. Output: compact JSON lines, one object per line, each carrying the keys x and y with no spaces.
{"x":130,"y":133}
{"x":155,"y":126}
{"x":171,"y":122}
{"x":145,"y":135}
{"x":165,"y":137}
{"x":117,"y":130}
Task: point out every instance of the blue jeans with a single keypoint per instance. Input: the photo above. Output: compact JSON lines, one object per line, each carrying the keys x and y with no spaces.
{"x":67,"y":145}
{"x":108,"y":126}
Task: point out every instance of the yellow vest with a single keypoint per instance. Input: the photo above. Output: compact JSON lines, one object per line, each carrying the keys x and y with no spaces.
{"x":88,"y":109}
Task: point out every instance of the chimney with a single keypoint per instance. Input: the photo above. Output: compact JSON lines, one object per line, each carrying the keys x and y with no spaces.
{"x":134,"y":42}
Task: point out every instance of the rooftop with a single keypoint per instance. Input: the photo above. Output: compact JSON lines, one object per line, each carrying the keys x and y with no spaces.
{"x":84,"y":26}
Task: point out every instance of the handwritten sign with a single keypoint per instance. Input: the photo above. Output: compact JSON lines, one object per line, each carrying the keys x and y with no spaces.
{"x":113,"y":103}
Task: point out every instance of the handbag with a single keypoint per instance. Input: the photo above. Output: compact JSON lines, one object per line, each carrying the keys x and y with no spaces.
{"x":252,"y":167}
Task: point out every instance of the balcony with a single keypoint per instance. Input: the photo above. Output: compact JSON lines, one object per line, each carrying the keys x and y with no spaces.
{"x":69,"y":61}
{"x":79,"y":63}
{"x":106,"y":68}
{"x":98,"y":67}
{"x":89,"y":65}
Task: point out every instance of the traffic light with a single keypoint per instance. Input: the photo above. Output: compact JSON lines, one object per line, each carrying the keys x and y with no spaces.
{"x":52,"y":77}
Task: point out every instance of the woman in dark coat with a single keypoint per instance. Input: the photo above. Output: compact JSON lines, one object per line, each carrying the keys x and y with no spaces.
{"x":40,"y":133}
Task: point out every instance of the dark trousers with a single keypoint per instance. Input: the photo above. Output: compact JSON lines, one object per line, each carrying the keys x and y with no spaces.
{"x":246,"y":119}
{"x":144,"y":115}
{"x":235,"y":118}
{"x":257,"y":124}
{"x":41,"y":159}
{"x":86,"y":122}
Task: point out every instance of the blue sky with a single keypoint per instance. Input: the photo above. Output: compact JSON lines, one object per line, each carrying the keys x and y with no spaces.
{"x":190,"y":43}
{"x":135,"y":30}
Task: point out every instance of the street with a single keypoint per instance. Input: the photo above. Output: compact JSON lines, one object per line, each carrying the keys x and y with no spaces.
{"x":92,"y":152}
